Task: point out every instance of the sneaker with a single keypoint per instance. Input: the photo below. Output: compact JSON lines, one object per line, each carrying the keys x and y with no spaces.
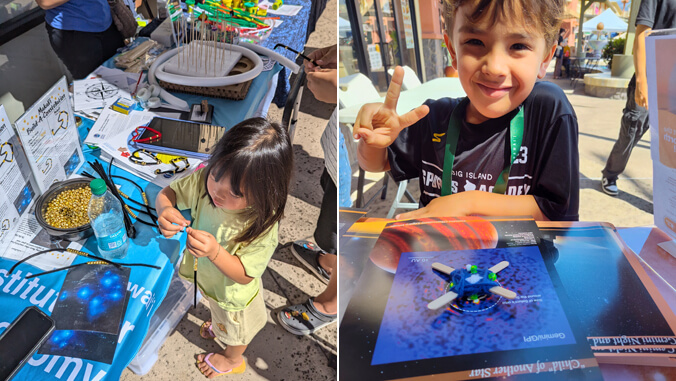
{"x":308,"y":254}
{"x":610,"y":186}
{"x":304,"y":319}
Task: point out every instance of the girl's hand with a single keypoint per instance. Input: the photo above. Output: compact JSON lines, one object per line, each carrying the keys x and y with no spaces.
{"x":171,"y":221}
{"x":202,"y":244}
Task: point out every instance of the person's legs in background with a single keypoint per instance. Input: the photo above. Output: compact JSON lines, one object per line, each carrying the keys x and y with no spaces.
{"x":557,"y":67}
{"x":634,"y":124}
{"x":83,"y":52}
{"x":315,"y":313}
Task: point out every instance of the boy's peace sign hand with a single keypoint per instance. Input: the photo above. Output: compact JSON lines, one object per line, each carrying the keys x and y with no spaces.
{"x":378,"y":124}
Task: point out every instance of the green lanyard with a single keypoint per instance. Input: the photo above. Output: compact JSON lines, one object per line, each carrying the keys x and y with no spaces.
{"x":515,"y":138}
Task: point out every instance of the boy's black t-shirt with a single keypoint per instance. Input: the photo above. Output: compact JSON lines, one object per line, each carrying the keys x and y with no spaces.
{"x":547,"y":166}
{"x":657,"y":14}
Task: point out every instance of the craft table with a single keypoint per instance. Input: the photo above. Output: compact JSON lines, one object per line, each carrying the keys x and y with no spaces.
{"x":410,"y":99}
{"x":271,"y":85}
{"x":357,"y":242}
{"x":147,"y":289}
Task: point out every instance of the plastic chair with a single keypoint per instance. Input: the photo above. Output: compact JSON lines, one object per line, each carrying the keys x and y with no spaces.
{"x":411,"y":79}
{"x":358,"y":89}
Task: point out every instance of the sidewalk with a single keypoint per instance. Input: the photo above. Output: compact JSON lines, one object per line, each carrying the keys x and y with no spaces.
{"x":275,"y":354}
{"x":599,"y":126}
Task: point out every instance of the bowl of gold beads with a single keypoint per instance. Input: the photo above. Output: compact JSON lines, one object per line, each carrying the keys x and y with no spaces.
{"x":62,"y":210}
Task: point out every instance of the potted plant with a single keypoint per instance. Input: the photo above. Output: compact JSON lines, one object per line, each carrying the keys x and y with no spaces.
{"x":614,"y":46}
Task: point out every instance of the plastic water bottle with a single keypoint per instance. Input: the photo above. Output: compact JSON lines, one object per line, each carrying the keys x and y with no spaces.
{"x":105,"y":215}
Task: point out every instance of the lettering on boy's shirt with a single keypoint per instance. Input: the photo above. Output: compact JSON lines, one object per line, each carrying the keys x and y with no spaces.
{"x":469,"y":180}
{"x":437,"y":137}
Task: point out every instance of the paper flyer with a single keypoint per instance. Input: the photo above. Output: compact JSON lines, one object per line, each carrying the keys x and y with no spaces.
{"x":31,"y":238}
{"x":99,"y":92}
{"x":16,"y":182}
{"x":49,"y":137}
{"x":111,"y":123}
{"x":661,"y":75}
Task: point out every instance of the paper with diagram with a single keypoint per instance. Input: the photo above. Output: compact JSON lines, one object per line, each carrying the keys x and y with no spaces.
{"x":49,"y":137}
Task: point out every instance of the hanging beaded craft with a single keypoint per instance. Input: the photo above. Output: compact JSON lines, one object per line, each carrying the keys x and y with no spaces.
{"x":136,"y":135}
{"x":137,"y":159}
{"x":177,"y":168}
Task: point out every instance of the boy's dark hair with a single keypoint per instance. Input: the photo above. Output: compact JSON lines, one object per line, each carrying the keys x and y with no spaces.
{"x":258,"y":157}
{"x":541,"y":15}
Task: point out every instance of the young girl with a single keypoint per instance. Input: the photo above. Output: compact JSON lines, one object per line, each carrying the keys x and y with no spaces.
{"x":236,"y":202}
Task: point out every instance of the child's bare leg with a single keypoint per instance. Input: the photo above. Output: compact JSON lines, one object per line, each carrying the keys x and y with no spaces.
{"x":230,"y":358}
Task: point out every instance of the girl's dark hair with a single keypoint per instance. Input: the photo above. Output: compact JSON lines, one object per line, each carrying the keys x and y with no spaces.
{"x":258,"y":157}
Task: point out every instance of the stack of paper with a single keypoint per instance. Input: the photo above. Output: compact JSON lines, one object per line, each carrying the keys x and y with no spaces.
{"x":112,"y":134}
{"x":102,"y":89}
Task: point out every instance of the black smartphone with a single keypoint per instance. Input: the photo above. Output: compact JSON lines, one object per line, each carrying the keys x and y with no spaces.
{"x":179,"y":137}
{"x":21,"y":339}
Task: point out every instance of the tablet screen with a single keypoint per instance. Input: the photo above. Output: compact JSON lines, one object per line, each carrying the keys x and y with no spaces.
{"x":182,"y":135}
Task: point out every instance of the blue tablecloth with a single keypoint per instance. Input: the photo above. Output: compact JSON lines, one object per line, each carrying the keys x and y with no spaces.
{"x":292,"y":33}
{"x":147,"y":288}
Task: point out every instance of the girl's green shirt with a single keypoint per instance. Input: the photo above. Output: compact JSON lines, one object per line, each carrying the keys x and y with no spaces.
{"x":225,"y":225}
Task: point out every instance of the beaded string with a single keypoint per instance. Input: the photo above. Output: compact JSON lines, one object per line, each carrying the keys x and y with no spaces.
{"x":93,"y":263}
{"x":58,"y":249}
{"x":148,"y":211}
{"x":177,"y":168}
{"x":136,"y":135}
{"x":136,"y":157}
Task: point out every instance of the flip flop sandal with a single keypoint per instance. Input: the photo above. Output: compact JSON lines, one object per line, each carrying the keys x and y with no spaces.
{"x":304,"y":319}
{"x":206,"y":332}
{"x":236,"y":370}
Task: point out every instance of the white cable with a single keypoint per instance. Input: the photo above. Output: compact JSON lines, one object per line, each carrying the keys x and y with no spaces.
{"x":154,"y":102}
{"x":156,"y":71}
{"x":154,"y":90}
{"x":143,"y":94}
{"x":272,"y":54}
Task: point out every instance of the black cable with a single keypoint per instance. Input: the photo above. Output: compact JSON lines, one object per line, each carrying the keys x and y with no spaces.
{"x":153,"y":218}
{"x":98,"y":167}
{"x":55,"y":270}
{"x":92,"y":263}
{"x":76,"y":252}
{"x":152,"y":225}
{"x":145,"y":199}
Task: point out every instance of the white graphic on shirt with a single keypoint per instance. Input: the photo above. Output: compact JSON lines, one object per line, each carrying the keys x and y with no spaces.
{"x":520,"y":177}
{"x":469,"y":186}
{"x":431,"y":179}
{"x":517,"y":190}
{"x":522,"y":158}
{"x":431,"y":164}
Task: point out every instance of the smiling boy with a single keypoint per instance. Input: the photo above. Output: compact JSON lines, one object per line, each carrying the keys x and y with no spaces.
{"x":510,"y":146}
